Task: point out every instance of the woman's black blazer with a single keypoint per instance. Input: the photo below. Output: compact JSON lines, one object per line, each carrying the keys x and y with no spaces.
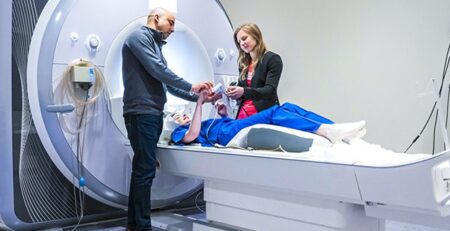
{"x":263,"y":90}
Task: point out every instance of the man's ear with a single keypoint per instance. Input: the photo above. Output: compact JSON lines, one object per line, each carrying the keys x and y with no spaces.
{"x":157,"y":18}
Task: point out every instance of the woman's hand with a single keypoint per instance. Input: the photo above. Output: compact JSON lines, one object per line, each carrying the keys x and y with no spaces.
{"x":234,"y":92}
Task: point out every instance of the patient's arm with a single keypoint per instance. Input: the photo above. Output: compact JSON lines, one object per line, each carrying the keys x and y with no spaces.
{"x":195,"y":126}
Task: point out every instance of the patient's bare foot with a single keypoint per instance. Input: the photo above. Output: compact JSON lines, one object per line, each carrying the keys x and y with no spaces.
{"x":337,"y":132}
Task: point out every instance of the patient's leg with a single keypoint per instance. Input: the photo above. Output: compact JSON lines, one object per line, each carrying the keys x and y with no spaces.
{"x":292,"y":116}
{"x":338,"y":132}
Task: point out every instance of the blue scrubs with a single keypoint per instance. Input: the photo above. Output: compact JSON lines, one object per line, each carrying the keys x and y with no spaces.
{"x":222,"y":130}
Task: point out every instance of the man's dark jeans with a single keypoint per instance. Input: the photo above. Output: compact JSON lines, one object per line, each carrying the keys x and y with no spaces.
{"x":143,"y":132}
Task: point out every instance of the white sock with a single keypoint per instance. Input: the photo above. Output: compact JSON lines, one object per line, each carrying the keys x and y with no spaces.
{"x":354,"y":136}
{"x":337,"y":132}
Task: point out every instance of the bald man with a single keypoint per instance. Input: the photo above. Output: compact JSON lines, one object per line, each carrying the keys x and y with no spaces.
{"x":146,"y":79}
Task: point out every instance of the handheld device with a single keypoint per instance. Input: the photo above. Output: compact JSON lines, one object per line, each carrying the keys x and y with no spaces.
{"x":218,"y":88}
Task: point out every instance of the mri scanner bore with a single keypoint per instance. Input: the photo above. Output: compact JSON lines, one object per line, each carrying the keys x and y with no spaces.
{"x":187,"y":53}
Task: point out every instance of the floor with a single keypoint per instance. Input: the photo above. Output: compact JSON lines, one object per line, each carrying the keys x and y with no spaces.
{"x":390,"y":226}
{"x":399,"y":226}
{"x":120,"y":224}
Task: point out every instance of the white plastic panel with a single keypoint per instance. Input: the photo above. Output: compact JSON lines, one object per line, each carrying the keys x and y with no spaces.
{"x":213,"y":29}
{"x":420,"y":187}
{"x":295,"y":172}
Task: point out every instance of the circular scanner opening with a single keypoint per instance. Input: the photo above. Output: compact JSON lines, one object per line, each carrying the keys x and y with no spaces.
{"x":185,"y":54}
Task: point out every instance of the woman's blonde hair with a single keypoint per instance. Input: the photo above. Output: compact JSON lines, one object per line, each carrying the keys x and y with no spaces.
{"x":244,"y":59}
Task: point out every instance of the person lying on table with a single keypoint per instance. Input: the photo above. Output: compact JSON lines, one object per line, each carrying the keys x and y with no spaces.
{"x":222,"y":130}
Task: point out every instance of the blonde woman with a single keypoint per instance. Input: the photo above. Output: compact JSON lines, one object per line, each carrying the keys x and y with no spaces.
{"x":259,"y":72}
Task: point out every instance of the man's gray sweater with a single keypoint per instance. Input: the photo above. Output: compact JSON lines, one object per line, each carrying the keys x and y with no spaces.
{"x":145,"y":74}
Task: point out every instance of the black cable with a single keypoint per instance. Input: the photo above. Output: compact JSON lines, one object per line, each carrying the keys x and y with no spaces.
{"x":79,"y":127}
{"x":80,"y":172}
{"x":434,"y":131}
{"x":446,"y":114}
{"x":444,"y":73}
{"x":423,"y":129}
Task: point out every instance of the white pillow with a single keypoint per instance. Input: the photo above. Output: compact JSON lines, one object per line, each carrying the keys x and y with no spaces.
{"x":240,"y":139}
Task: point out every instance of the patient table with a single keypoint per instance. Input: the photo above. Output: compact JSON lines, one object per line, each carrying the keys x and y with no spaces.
{"x":334,"y":188}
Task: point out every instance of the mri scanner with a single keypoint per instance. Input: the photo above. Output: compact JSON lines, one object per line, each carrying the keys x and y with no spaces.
{"x":333,"y":188}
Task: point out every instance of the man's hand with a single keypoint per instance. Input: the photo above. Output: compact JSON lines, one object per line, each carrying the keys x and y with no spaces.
{"x":205,"y":86}
{"x":234,"y":92}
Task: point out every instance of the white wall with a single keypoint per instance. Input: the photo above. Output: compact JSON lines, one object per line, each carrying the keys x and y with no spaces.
{"x":358,"y":59}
